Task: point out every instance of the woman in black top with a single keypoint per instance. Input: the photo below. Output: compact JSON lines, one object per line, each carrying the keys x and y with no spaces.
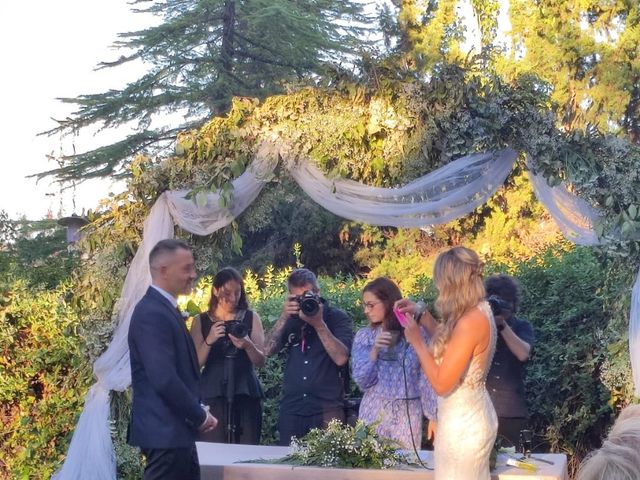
{"x":229,"y":341}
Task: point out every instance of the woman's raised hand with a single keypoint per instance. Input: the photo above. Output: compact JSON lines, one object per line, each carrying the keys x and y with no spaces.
{"x":383,"y":340}
{"x":216,"y":332}
{"x":412,"y":330}
{"x":240,"y":343}
{"x":406,"y":306}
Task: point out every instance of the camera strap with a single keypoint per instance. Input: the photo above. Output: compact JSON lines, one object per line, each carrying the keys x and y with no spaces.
{"x":303,"y":337}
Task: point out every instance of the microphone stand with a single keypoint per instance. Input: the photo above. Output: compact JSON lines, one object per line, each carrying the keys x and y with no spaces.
{"x":230,"y":394}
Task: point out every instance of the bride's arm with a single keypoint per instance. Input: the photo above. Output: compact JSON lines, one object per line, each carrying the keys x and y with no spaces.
{"x":470,"y":331}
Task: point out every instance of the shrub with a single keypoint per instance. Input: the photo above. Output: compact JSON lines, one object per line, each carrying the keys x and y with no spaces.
{"x":43,"y":378}
{"x":577,"y":377}
{"x":570,"y":406}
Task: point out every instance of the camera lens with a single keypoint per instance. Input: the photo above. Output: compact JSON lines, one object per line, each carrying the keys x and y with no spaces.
{"x":309,"y":303}
{"x":237,"y":329}
{"x":309,"y":306}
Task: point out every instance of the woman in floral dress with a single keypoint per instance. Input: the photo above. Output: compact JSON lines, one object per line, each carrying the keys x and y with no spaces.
{"x":395,"y":392}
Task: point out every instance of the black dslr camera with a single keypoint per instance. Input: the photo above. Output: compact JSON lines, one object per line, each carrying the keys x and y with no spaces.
{"x":309,"y":302}
{"x":498,"y":305}
{"x":236,"y":328}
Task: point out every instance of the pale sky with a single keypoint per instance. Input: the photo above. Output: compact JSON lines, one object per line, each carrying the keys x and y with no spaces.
{"x":49,"y":49}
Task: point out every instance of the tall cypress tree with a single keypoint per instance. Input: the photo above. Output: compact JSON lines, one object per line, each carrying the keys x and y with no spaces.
{"x":200,"y":55}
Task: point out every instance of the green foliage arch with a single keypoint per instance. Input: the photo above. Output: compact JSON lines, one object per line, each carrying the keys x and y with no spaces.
{"x":383,"y":132}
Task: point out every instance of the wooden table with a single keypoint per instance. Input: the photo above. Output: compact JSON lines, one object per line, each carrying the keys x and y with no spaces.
{"x":219,"y":461}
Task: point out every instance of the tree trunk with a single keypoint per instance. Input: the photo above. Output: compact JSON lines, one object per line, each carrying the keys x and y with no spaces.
{"x":228,"y":26}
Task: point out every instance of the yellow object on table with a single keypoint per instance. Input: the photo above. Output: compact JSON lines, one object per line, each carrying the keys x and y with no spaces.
{"x":522,"y":464}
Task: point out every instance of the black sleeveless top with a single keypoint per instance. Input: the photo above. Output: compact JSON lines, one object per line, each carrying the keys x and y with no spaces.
{"x":227,"y":367}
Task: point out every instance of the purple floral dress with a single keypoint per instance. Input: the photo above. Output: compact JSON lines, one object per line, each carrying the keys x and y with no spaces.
{"x":387,"y":398}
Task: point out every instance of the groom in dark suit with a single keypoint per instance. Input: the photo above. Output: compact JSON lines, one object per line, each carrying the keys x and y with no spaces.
{"x":166,"y":414}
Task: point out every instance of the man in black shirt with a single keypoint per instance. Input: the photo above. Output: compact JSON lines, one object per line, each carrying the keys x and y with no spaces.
{"x":318,"y":345}
{"x":505,"y":382}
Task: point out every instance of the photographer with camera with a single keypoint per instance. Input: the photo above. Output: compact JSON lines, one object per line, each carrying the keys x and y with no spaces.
{"x":318,"y":339}
{"x":505,"y":382}
{"x":229,"y":343}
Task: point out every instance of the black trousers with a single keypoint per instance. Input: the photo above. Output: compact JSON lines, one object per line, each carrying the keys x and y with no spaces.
{"x":172,"y":463}
{"x":298,"y":426}
{"x":509,"y":428}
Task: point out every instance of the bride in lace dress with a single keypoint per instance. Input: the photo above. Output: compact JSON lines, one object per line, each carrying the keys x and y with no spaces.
{"x":456,"y":364}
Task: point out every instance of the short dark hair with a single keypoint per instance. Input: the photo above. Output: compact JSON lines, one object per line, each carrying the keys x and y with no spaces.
{"x":301,"y":277}
{"x":224,"y":276}
{"x":168,"y":245}
{"x":388,"y":293}
{"x":506,"y":287}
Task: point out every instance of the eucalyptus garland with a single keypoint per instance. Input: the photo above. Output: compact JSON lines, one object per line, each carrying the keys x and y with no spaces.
{"x":396,"y":128}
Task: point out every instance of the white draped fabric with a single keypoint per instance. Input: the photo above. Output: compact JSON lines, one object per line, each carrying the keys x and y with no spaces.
{"x":438,"y":197}
{"x":575,"y":217}
{"x":448,"y":193}
{"x":90,"y":453}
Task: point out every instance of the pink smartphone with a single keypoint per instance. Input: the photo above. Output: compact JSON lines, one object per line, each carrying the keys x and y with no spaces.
{"x":401,"y":317}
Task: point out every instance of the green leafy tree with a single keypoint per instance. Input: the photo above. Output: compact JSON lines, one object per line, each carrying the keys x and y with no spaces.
{"x":7,"y":236}
{"x":202,"y":54}
{"x":282,"y":216}
{"x":35,"y":251}
{"x":486,"y":16}
{"x":422,"y":33}
{"x":7,"y":230}
{"x":588,"y":52}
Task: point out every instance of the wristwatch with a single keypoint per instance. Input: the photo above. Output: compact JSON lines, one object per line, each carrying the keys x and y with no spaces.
{"x":501,"y":327}
{"x":420,"y":309}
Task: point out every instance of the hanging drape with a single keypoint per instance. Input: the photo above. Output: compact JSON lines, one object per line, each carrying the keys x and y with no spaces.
{"x":438,"y":197}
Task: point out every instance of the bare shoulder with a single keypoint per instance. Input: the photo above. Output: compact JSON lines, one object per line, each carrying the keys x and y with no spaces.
{"x":474,"y":321}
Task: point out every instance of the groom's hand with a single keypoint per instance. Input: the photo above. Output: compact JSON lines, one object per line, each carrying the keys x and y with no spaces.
{"x":209,"y":423}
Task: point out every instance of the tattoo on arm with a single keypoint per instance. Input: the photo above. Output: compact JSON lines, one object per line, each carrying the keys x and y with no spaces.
{"x":273,"y":337}
{"x":334,"y":347}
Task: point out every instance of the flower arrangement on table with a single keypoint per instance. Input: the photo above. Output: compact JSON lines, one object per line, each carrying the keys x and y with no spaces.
{"x":345,"y":446}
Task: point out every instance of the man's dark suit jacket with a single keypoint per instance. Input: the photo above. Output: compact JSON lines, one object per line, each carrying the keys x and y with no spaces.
{"x":166,"y":411}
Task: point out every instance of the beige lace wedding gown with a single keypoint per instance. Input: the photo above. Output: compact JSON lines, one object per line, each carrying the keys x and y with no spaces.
{"x":467,"y":421}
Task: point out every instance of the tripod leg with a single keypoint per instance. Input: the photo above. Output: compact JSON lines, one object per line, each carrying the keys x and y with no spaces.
{"x":231,"y":427}
{"x":230,"y":396}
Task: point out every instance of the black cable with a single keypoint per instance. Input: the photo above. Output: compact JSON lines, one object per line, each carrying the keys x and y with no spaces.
{"x":406,"y":400}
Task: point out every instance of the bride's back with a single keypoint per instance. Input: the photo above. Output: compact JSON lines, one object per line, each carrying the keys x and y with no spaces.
{"x":477,"y":370}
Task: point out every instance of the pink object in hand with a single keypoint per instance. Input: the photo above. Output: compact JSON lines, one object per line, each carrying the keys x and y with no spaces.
{"x":401,"y":317}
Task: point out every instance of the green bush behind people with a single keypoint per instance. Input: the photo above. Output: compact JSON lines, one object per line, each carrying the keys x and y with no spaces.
{"x":577,"y":377}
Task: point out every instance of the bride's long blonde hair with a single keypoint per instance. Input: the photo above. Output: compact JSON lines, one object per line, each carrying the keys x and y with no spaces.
{"x":457,"y":274}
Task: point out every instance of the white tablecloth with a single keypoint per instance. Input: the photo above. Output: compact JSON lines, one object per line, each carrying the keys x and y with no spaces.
{"x":220,"y":462}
